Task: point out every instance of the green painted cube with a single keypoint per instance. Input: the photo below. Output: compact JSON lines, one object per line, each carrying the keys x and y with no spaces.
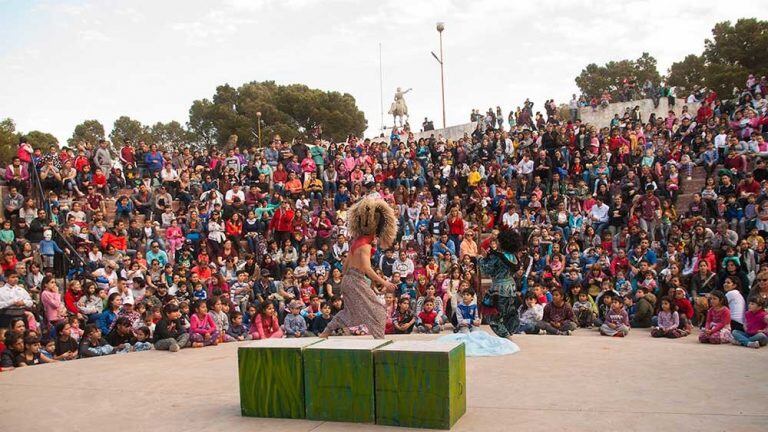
{"x":420,"y":384}
{"x":338,"y":380}
{"x":272,"y":377}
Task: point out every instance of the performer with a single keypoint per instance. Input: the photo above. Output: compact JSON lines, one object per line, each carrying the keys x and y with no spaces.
{"x":370,"y":218}
{"x":501,"y":264}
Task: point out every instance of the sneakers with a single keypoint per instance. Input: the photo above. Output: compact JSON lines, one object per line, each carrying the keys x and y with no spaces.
{"x":174,"y":348}
{"x":735,"y":342}
{"x":565,"y":333}
{"x":619,"y":334}
{"x":688,"y":178}
{"x":542,"y":332}
{"x":754,"y":344}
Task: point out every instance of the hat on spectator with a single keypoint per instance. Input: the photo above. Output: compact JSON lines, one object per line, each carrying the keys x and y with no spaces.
{"x":295,"y":304}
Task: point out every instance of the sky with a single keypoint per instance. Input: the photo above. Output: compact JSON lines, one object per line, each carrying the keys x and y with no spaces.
{"x":65,"y":61}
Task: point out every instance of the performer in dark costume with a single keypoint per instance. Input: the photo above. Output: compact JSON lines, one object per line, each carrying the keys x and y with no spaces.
{"x":370,"y":218}
{"x":501,"y":264}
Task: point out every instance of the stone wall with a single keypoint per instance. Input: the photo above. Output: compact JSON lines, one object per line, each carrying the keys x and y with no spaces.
{"x":451,"y":132}
{"x":602,"y":116}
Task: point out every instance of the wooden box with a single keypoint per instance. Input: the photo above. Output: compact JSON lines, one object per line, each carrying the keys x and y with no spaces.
{"x":272,"y":377}
{"x":420,"y":384}
{"x":338,"y":380}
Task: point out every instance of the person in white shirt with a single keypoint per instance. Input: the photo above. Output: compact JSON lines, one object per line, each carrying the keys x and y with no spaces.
{"x":235,"y":192}
{"x":13,"y":299}
{"x":403,"y":265}
{"x":511,"y":219}
{"x":525,"y":166}
{"x":736,"y":303}
{"x":598,"y":214}
{"x":340,"y":247}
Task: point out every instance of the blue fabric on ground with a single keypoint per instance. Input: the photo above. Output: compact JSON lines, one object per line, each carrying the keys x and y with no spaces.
{"x":482,"y":344}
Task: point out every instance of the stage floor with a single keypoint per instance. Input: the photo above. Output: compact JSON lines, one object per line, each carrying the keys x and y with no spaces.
{"x":580,"y":383}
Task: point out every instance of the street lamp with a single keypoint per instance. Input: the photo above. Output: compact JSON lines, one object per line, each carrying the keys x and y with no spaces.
{"x":258,"y":119}
{"x":440,"y":27}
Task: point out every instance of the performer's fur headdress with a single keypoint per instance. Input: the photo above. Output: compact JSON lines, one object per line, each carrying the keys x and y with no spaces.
{"x":509,"y":241}
{"x":373,"y":216}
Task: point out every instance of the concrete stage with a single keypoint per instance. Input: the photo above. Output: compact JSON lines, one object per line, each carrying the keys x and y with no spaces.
{"x":580,"y":383}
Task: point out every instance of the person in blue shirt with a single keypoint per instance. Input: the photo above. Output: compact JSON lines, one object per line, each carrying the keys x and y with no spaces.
{"x":342,"y":197}
{"x":48,"y":249}
{"x":443,"y":246}
{"x":154,"y":160}
{"x":467,"y":317}
{"x":155,"y":253}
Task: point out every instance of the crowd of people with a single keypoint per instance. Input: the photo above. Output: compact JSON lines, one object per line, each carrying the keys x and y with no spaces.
{"x":116,"y":250}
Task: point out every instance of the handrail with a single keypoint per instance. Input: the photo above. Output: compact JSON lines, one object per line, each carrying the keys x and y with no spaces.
{"x":45,"y":203}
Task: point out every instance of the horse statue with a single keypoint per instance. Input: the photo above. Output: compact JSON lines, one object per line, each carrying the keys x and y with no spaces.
{"x":399,"y":108}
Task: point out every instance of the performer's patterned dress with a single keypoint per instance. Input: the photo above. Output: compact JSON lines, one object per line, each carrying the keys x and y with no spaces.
{"x":501,"y":267}
{"x":362,"y":312}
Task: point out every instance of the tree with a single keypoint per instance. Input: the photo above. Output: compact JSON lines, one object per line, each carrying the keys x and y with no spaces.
{"x":735,"y":51}
{"x":125,"y":129}
{"x":289,"y":111}
{"x":170,"y":134}
{"x":90,"y":131}
{"x":595,"y":79}
{"x":687,"y":73}
{"x":9,"y":141}
{"x":41,"y":140}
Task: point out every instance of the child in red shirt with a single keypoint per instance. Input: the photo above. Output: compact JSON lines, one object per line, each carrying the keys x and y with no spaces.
{"x":684,"y":309}
{"x":427,"y":318}
{"x":307,"y":291}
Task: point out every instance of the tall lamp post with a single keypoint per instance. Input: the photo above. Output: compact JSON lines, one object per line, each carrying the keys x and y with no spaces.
{"x":258,"y":121}
{"x":440,"y":27}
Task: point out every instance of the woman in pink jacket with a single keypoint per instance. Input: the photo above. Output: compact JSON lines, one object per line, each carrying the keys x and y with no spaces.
{"x":265,"y":324}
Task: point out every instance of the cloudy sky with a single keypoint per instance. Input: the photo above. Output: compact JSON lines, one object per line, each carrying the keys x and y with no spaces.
{"x":65,"y":61}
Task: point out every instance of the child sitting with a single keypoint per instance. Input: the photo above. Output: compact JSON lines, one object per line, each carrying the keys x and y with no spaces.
{"x":202,"y":329}
{"x":648,"y":282}
{"x":558,"y":318}
{"x":264,"y":324}
{"x":427,"y":321}
{"x":404,"y":320}
{"x":32,"y":355}
{"x":322,"y":319}
{"x":466,"y":313}
{"x":120,"y":336}
{"x":295,"y":325}
{"x":237,"y":331}
{"x":756,"y":326}
{"x":684,"y":309}
{"x":93,"y":345}
{"x":530,"y":314}
{"x":169,"y":332}
{"x":66,"y":347}
{"x":583,"y":310}
{"x":616,"y":320}
{"x":142,"y":339}
{"x":735,"y":302}
{"x":220,"y":318}
{"x":668,"y":321}
{"x":646,"y":302}
{"x":717,"y":328}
